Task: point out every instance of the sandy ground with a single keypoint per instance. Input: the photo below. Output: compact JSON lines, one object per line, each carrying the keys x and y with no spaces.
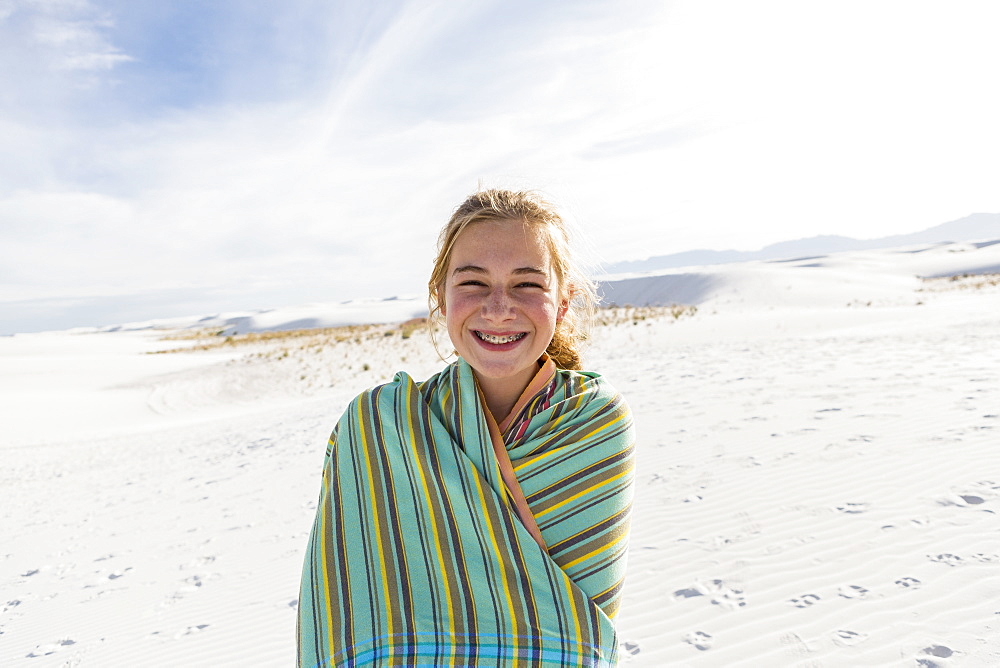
{"x":818,"y":480}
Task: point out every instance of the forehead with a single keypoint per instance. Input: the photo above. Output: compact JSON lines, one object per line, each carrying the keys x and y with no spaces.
{"x":501,"y":242}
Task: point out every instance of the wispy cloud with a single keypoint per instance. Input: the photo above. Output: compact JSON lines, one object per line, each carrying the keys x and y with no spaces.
{"x":53,"y":44}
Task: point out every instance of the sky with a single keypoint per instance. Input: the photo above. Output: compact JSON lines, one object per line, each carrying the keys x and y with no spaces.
{"x":161,"y":159}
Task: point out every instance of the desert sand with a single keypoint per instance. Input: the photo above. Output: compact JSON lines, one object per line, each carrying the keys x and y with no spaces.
{"x":818,"y":478}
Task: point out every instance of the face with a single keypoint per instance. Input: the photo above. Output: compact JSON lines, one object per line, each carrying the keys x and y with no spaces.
{"x":501,"y":303}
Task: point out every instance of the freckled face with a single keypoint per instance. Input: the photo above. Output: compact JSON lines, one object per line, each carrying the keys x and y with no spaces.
{"x":501,"y":302}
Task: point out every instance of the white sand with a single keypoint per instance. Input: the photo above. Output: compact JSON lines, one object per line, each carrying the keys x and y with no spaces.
{"x":818,"y":481}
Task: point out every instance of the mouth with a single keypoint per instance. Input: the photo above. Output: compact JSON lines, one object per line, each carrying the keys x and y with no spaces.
{"x":499,"y":340}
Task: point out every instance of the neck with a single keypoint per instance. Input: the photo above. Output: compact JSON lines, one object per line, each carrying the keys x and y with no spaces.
{"x":501,"y":394}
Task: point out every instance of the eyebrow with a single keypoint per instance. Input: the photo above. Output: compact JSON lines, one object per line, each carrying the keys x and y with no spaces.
{"x":480,"y":270}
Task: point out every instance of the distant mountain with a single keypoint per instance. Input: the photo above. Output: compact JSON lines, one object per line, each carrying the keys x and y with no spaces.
{"x":975,"y":227}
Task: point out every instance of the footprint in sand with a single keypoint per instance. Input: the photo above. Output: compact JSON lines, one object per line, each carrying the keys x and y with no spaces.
{"x":928,"y":656}
{"x":848,"y":638}
{"x":804,"y":601}
{"x":795,"y":645}
{"x":946,"y":558}
{"x":909,"y":583}
{"x":630,"y":648}
{"x":700,"y":640}
{"x":191,"y":630}
{"x":50,"y":648}
{"x":853,"y":508}
{"x":717,"y":591}
{"x":961,"y":500}
{"x":853,"y":591}
{"x":200,"y":562}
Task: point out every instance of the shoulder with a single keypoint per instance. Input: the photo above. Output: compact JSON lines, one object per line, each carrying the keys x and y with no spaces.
{"x":589,"y":387}
{"x":589,"y":401}
{"x":401,"y":385}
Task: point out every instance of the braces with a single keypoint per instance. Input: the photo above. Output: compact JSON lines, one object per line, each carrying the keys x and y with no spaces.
{"x":489,"y":338}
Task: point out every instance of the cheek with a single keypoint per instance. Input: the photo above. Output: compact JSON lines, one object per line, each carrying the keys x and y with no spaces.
{"x":545,"y":311}
{"x":456,"y":307}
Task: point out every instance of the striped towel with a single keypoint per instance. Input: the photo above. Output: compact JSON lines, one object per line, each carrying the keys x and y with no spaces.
{"x":418,"y":555}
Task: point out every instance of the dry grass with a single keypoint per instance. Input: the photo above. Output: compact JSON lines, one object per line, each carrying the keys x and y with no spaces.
{"x":280,"y":342}
{"x":960,"y":282}
{"x":614,"y":315}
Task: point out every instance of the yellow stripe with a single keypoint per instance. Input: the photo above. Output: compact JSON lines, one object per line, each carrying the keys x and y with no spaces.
{"x":572,"y":606}
{"x":583,"y":493}
{"x":613,"y":613}
{"x":603,"y":548}
{"x":326,"y":577}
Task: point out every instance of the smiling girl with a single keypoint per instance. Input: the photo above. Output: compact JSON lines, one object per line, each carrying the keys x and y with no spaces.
{"x":480,"y":517}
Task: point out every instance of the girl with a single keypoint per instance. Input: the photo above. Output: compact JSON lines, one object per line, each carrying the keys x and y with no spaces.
{"x":480,"y":517}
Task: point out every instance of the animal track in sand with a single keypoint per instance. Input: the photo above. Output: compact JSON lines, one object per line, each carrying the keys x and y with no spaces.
{"x":961,"y":500}
{"x":848,"y":638}
{"x":795,"y":645}
{"x":805,"y":600}
{"x":200,"y":562}
{"x":630,"y":648}
{"x":700,"y":640}
{"x":909,"y":583}
{"x":854,"y":508}
{"x":852,"y":591}
{"x":197,"y":581}
{"x":927,"y":656}
{"x":190,"y":630}
{"x":717,"y":591}
{"x":49,"y":648}
{"x":954,"y":560}
{"x":100,"y":578}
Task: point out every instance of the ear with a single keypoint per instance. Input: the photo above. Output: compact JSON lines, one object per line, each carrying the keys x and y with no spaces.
{"x":563,"y":309}
{"x":567,"y":297}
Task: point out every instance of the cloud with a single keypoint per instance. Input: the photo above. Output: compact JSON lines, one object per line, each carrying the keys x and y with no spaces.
{"x":51,"y":44}
{"x":76,"y":44}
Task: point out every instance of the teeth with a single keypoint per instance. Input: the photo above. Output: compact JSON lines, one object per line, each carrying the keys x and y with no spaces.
{"x":499,"y":339}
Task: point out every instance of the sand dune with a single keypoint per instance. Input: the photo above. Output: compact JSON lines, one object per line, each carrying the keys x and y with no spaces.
{"x":818,"y":481}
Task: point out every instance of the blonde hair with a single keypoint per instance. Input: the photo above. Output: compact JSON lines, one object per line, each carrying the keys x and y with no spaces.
{"x":575,"y":289}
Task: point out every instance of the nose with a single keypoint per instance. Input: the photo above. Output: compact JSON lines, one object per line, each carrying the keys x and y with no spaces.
{"x":498,"y":305}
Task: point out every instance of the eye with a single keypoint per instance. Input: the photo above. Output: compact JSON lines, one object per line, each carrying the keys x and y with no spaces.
{"x":471,"y":281}
{"x":530,"y":284}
